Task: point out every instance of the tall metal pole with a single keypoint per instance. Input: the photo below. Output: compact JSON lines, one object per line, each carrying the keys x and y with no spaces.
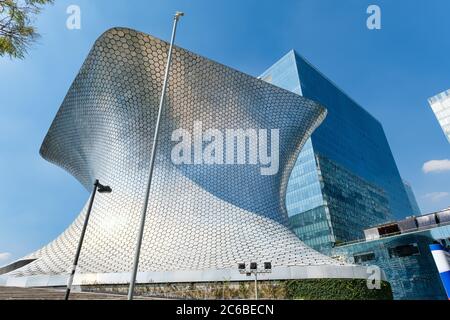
{"x":177,"y":16}
{"x":80,"y":242}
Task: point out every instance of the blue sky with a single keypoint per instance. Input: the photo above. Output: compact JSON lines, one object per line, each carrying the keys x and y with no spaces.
{"x":391,"y":72}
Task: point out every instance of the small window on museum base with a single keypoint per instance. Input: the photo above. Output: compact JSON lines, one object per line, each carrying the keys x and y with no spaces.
{"x":361,"y":258}
{"x":404,"y":251}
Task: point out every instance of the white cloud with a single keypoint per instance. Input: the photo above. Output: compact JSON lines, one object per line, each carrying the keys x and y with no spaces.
{"x":436,"y":196}
{"x":436,"y":166}
{"x":4,"y":255}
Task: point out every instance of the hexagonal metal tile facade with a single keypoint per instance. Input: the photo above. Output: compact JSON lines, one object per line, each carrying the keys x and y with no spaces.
{"x":200,"y":216}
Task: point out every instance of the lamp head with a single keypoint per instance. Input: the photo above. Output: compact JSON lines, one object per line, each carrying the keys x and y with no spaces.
{"x":104,"y":189}
{"x":101,"y":188}
{"x":179,"y":14}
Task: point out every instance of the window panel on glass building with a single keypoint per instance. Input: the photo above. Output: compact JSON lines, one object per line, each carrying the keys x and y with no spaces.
{"x":440,"y":104}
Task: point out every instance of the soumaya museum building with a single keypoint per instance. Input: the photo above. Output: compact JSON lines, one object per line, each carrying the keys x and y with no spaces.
{"x":204,"y":220}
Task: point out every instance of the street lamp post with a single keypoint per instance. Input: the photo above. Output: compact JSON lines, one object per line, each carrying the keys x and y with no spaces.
{"x":254,"y":270}
{"x":256,"y":285}
{"x":177,"y":16}
{"x":101,"y":189}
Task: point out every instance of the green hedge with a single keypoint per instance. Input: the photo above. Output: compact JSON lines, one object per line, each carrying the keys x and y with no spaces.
{"x":335,"y":289}
{"x":310,"y":289}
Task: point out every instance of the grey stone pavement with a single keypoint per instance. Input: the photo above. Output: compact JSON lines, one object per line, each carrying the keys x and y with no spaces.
{"x":13,"y":293}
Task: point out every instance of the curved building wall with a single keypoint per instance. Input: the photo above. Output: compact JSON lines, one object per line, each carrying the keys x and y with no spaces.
{"x":200,"y":217}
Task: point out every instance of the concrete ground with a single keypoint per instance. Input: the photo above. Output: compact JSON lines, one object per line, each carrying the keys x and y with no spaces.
{"x":13,"y":293}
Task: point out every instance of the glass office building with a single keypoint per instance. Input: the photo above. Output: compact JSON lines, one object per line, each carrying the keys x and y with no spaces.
{"x":345,"y":178}
{"x":403,"y":253}
{"x":412,"y":198}
{"x":441,"y":108}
